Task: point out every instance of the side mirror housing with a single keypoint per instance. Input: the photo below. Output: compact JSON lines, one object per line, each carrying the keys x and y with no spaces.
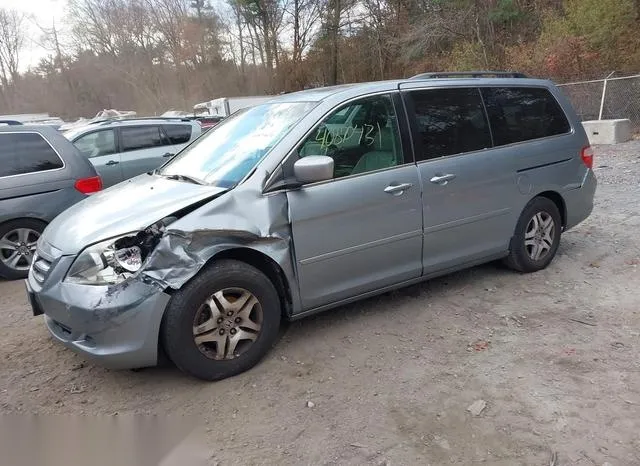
{"x":313,"y":168}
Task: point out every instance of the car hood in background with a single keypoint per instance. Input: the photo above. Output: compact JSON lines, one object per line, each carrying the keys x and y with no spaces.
{"x":126,"y":207}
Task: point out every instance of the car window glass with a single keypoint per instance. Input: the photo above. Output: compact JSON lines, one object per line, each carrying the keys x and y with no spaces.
{"x":26,"y":153}
{"x":177,"y":134}
{"x":230,"y":151}
{"x":521,"y":114}
{"x":141,"y":137}
{"x":370,"y":140}
{"x":449,"y":121}
{"x":97,"y":144}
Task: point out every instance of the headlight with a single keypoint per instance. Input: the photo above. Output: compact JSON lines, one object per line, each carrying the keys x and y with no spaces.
{"x":106,"y":263}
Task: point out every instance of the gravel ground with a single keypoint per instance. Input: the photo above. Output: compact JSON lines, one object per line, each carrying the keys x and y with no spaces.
{"x":389,"y":380}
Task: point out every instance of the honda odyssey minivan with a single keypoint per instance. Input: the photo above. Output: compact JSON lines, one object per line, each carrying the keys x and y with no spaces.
{"x":306,"y":202}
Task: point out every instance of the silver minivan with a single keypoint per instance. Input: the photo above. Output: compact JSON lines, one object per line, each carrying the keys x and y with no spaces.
{"x":310,"y":201}
{"x":121,"y":149}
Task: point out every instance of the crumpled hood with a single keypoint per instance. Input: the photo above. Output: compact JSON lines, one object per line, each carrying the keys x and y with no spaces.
{"x":123,"y":208}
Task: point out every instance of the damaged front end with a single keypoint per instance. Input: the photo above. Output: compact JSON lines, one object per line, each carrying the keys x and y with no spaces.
{"x":115,"y":260}
{"x":171,"y":251}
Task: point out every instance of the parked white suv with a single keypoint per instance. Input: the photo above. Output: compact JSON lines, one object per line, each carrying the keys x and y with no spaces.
{"x":122,"y":149}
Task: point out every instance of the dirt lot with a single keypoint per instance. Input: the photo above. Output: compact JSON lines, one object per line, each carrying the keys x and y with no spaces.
{"x":553,"y":355}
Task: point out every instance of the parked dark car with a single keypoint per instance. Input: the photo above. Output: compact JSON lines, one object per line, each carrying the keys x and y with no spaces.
{"x":41,"y":174}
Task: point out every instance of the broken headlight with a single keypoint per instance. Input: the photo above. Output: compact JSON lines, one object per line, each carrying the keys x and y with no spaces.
{"x":107,"y":263}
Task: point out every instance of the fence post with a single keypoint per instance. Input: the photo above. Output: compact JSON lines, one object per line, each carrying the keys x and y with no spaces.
{"x":604,"y":91}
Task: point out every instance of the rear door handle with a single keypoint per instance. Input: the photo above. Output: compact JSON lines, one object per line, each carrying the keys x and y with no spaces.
{"x":168,"y":154}
{"x":442,"y":179}
{"x":112,"y":162}
{"x":397,"y":189}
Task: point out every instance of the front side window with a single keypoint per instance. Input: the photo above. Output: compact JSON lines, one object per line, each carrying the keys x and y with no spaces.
{"x":449,"y":121}
{"x":97,"y":144}
{"x":141,"y":137}
{"x":233,"y":148}
{"x":367,"y":139}
{"x":22,"y":153}
{"x":178,"y":134}
{"x":520,"y":114}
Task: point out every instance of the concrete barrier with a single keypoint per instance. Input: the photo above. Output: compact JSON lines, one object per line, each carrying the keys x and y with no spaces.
{"x":607,"y":131}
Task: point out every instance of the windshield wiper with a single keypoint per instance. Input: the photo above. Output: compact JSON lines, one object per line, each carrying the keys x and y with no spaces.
{"x":188,"y":178}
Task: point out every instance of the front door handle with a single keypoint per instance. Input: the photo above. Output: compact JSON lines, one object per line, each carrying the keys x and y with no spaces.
{"x":442,"y":179}
{"x":168,"y":154}
{"x":112,"y":162}
{"x":397,"y":189}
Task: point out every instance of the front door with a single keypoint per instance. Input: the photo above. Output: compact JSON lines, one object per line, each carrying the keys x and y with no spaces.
{"x":362,"y":230}
{"x":468,"y":186}
{"x":100,"y":148}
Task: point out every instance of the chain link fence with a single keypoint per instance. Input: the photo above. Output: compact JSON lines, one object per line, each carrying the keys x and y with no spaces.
{"x":606,"y":99}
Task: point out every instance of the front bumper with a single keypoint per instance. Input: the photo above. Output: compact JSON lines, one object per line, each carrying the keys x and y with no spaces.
{"x":116,"y":326}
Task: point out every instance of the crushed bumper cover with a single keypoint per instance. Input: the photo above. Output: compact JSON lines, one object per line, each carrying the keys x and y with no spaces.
{"x":116,"y":326}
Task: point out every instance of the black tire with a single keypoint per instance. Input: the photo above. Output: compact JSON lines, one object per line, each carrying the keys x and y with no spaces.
{"x":28,"y":223}
{"x":177,"y":334}
{"x":519,"y":258}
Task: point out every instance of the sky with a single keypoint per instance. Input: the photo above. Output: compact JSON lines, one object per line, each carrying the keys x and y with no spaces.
{"x":40,"y":12}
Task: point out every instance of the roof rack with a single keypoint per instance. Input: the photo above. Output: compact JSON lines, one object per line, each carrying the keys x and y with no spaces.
{"x":470,"y":74}
{"x":10,"y":122}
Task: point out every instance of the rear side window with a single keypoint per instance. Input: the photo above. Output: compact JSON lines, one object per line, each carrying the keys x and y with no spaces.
{"x":449,"y":121}
{"x":22,"y":153}
{"x":177,"y":134}
{"x":141,"y":137}
{"x":520,"y":114}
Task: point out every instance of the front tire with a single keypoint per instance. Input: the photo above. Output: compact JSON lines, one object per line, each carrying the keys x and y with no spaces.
{"x":222,"y":322}
{"x":537,"y":236}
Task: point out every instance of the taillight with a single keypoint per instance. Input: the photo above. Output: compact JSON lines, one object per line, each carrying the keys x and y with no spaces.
{"x":89,"y":185}
{"x":587,"y":156}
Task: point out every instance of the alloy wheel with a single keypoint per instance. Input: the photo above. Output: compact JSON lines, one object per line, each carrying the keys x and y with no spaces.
{"x":227,"y":323}
{"x":17,"y":248}
{"x":539,"y":236}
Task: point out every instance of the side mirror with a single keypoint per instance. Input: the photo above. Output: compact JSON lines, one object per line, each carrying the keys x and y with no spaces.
{"x":313,"y":168}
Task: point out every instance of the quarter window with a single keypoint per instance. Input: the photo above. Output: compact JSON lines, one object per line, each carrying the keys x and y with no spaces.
{"x":97,"y":144}
{"x":22,"y":153}
{"x":360,"y":137}
{"x":141,"y":137}
{"x":177,"y":134}
{"x":449,"y":121}
{"x":520,"y":114}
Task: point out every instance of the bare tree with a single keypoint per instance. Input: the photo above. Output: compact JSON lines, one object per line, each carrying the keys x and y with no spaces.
{"x":11,"y":43}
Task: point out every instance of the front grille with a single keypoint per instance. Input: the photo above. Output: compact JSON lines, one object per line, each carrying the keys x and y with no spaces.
{"x":40,"y":268}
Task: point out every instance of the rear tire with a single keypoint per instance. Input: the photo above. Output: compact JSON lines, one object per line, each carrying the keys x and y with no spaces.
{"x":536,"y":238}
{"x":17,"y":246}
{"x":222,"y":322}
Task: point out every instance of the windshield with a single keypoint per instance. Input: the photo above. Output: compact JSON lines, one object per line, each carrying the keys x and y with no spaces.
{"x":228,"y":152}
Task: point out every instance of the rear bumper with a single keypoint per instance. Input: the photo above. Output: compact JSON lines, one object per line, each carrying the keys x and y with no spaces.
{"x":579,"y":201}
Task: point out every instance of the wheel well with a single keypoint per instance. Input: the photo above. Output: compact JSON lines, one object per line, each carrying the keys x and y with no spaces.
{"x":267,"y":266}
{"x":559,"y":202}
{"x":17,"y":219}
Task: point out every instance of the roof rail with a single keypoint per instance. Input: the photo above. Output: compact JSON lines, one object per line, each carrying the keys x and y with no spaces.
{"x":11,"y":122}
{"x":470,"y":74}
{"x":105,"y":121}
